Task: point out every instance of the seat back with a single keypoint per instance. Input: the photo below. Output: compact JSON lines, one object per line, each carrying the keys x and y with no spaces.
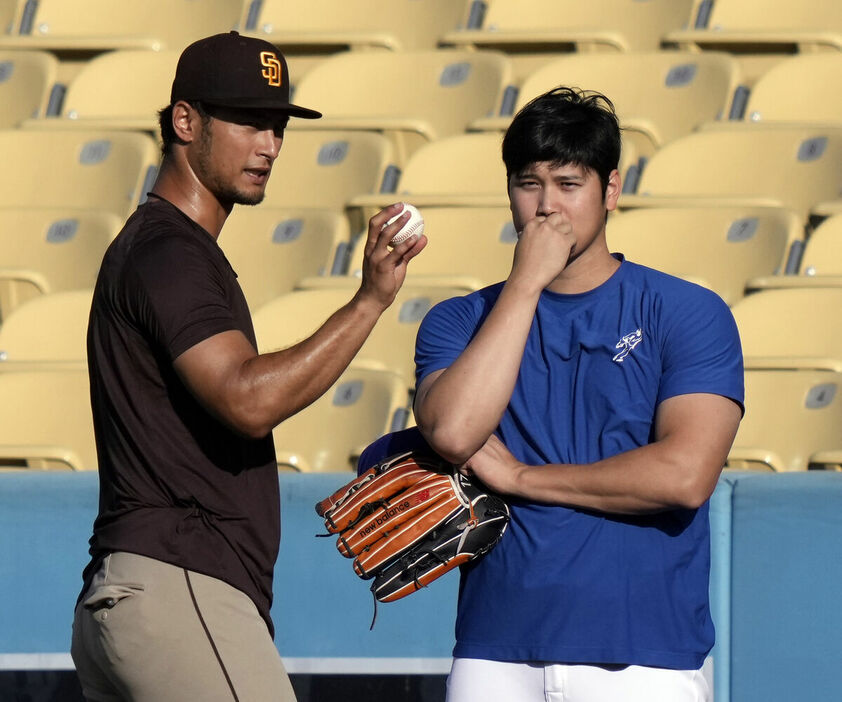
{"x":272,"y":249}
{"x":802,"y":89}
{"x":662,"y":95}
{"x":778,"y":17}
{"x":154,"y":24}
{"x":47,"y":332}
{"x":293,"y":317}
{"x":43,"y":251}
{"x":326,"y":169}
{"x":823,"y":251}
{"x":99,"y":170}
{"x":718,"y":247}
{"x":120,"y":89}
{"x":790,"y":166}
{"x":790,"y":416}
{"x":791,"y":328}
{"x":437,"y":91}
{"x":329,"y":435}
{"x":45,"y":421}
{"x":26,"y":81}
{"x":396,"y":24}
{"x":633,"y":25}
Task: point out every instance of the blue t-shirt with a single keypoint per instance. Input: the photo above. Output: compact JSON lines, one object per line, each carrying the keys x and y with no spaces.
{"x":576,"y":586}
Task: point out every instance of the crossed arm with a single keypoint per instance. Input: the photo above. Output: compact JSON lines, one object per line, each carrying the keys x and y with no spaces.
{"x":251,"y":392}
{"x":458,"y":409}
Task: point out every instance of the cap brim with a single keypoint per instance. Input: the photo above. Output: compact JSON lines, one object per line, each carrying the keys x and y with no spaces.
{"x":253,"y":104}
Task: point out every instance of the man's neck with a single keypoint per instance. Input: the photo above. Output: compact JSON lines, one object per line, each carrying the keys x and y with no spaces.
{"x":585,"y":272}
{"x":180,"y":187}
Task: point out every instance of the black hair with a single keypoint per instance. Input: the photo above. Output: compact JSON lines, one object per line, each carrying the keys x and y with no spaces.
{"x":168,"y":135}
{"x":565,"y":126}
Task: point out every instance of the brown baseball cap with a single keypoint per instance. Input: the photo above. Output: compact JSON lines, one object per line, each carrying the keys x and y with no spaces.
{"x":230,"y":70}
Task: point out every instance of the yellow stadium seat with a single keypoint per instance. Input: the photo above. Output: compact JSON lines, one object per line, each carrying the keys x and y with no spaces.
{"x":47,"y":332}
{"x":44,"y":251}
{"x":26,"y":82}
{"x":272,"y":249}
{"x":791,"y":423}
{"x":761,"y":34}
{"x":100,"y":170}
{"x":658,"y":95}
{"x":720,"y":248}
{"x":468,"y":248}
{"x":466,"y":170}
{"x":422,"y":95}
{"x":820,"y":264}
{"x":542,"y":26}
{"x":293,"y":317}
{"x":116,"y":90}
{"x":45,"y":421}
{"x":802,"y":89}
{"x":732,"y":24}
{"x":791,"y":328}
{"x":774,"y":165}
{"x":330,"y":434}
{"x":9,"y":15}
{"x":103,"y":25}
{"x":325,"y":170}
{"x":327,"y":26}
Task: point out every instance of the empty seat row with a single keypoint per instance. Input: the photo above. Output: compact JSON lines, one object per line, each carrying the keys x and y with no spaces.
{"x":732,"y":250}
{"x":426,"y":95}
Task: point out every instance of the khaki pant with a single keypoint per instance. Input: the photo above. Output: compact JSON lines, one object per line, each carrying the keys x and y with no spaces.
{"x":147,"y":631}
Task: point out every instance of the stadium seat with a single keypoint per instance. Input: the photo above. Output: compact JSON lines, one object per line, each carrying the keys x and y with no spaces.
{"x":797,"y":328}
{"x":421,"y":95}
{"x":101,"y":170}
{"x":779,"y":165}
{"x":466,"y":170}
{"x":527,"y":30}
{"x":116,"y":90}
{"x":9,"y":15}
{"x":820,"y":264}
{"x":44,"y":251}
{"x":48,"y":332}
{"x":329,"y":435}
{"x":468,"y":248}
{"x":26,"y":82}
{"x":760,"y":34}
{"x":718,"y":247}
{"x":293,"y":317}
{"x":272,"y":249}
{"x":658,"y":95}
{"x":805,"y":89}
{"x":791,"y":423}
{"x":45,"y":421}
{"x":325,"y":170}
{"x":328,"y":26}
{"x":102,"y":25}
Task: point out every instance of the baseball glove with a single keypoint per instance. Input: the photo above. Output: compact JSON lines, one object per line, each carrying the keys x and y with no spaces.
{"x":409,"y":520}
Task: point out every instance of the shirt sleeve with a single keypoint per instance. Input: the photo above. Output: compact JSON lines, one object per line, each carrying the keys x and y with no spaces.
{"x":181,"y":297}
{"x":701,"y":349}
{"x":446,"y":330}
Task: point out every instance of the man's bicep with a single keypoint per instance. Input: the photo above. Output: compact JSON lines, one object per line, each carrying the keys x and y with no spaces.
{"x":699,"y":428}
{"x":211,"y":368}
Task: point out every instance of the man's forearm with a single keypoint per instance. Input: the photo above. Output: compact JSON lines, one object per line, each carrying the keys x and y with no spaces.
{"x":463,"y":405}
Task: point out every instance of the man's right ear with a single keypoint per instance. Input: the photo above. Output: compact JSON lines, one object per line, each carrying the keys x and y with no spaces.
{"x":184,"y":121}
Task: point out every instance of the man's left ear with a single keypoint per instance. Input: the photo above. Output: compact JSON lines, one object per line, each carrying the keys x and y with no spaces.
{"x":612,"y":190}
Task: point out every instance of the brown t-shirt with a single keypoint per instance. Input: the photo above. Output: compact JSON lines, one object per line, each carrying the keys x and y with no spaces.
{"x":175,"y":483}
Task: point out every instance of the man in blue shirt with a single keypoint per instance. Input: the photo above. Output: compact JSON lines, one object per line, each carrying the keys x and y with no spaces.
{"x":601,"y":397}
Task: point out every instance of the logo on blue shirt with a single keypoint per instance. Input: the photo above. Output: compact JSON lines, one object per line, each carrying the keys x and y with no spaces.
{"x":627,"y":343}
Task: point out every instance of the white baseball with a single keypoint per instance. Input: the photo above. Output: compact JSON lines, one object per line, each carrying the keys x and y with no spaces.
{"x":413,"y":227}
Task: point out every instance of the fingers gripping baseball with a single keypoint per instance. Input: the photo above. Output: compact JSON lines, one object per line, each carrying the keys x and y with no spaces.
{"x":384,"y":262}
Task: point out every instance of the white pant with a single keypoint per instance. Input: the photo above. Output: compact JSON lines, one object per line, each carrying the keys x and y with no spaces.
{"x":473,"y":680}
